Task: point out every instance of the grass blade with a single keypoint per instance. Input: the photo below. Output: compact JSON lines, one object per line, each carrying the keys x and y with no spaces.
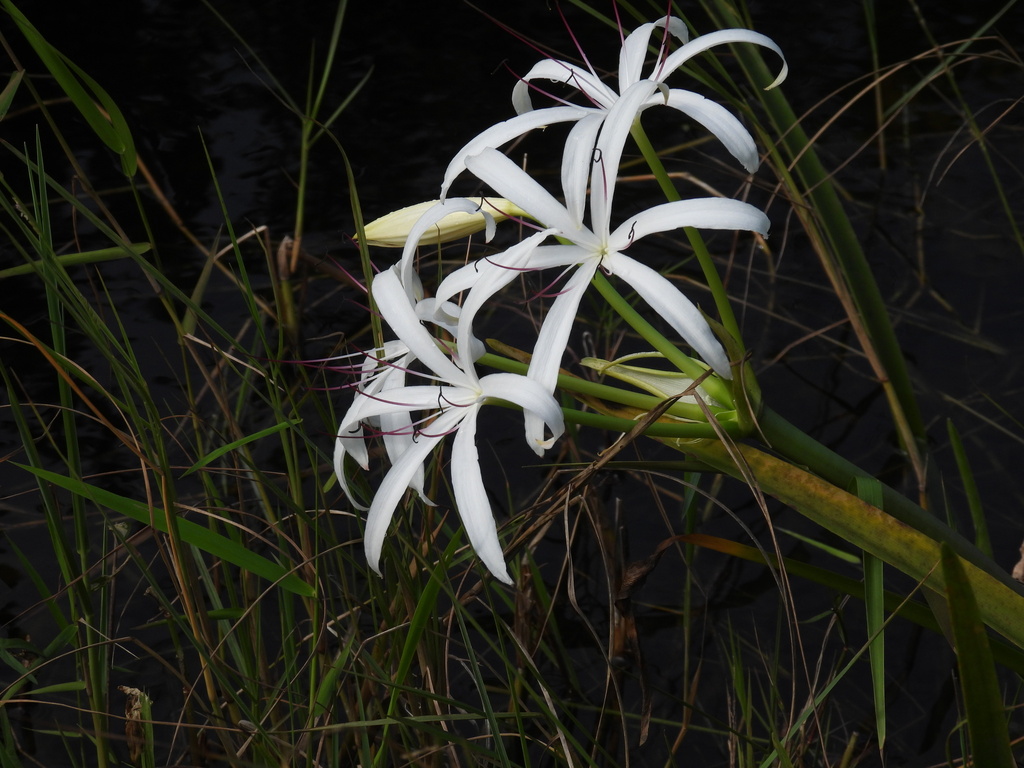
{"x":191,"y":533}
{"x":107,"y":123}
{"x":983,"y":701}
{"x":870,"y":490}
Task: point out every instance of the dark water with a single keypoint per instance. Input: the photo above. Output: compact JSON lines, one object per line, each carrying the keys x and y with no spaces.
{"x":930,"y":223}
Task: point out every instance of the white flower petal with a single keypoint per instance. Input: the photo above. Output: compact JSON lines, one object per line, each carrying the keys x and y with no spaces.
{"x":720,"y":121}
{"x":553,"y":256}
{"x":514,"y":184}
{"x":504,"y":132}
{"x":382,"y":404}
{"x":672,"y":305}
{"x":471,"y":499}
{"x":395,"y":308}
{"x":494,"y":275}
{"x":720,"y":37}
{"x":586,"y":82}
{"x":397,"y":481}
{"x":551,"y":343}
{"x":617,"y":124}
{"x":702,"y":213}
{"x":536,"y":401}
{"x":554,"y":332}
{"x":577,"y":159}
{"x":348,"y":443}
{"x":635,"y":46}
{"x":429,"y":223}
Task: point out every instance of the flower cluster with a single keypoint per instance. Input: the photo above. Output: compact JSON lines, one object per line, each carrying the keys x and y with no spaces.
{"x":435,"y":335}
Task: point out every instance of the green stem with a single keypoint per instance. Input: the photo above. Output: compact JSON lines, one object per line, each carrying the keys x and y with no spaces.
{"x":700,"y":250}
{"x":660,"y":429}
{"x":714,"y":386}
{"x":638,"y":400}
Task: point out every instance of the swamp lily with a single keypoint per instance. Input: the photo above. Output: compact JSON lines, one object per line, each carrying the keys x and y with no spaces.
{"x":601,"y":98}
{"x":451,"y":404}
{"x":392,"y":230}
{"x":589,"y":249}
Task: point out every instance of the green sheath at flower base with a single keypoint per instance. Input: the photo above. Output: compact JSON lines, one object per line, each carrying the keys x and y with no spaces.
{"x":392,"y":230}
{"x":660,"y":383}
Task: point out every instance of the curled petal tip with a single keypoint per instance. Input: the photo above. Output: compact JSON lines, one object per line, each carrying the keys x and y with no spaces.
{"x":782,"y":76}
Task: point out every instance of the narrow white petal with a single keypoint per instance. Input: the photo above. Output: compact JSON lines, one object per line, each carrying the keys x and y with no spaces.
{"x":504,"y":132}
{"x":576,"y":162}
{"x":445,"y":314}
{"x":551,"y":344}
{"x":427,"y":226}
{"x":513,"y":183}
{"x":394,"y":306}
{"x":723,"y":36}
{"x":589,"y":84}
{"x":527,"y":394}
{"x":538,"y":404}
{"x":672,"y":305}
{"x":554,"y":331}
{"x":554,"y":256}
{"x":396,"y":426}
{"x":720,"y":121}
{"x":634,"y":53}
{"x":610,"y":144}
{"x":471,"y":499}
{"x":702,"y":213}
{"x":397,"y":481}
{"x":348,"y":442}
{"x":493,"y":276}
{"x":509,"y":264}
{"x":422,"y":397}
{"x":635,"y":47}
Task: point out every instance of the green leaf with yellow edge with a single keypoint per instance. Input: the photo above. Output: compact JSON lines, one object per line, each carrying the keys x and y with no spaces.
{"x":869,"y":528}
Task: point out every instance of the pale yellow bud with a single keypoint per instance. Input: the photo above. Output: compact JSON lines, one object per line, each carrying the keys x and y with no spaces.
{"x":392,"y":230}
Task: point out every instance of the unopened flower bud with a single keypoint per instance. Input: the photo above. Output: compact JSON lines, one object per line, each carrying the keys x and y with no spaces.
{"x":391,"y":231}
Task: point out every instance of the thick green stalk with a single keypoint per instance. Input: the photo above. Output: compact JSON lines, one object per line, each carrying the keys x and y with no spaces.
{"x":803,"y":450}
{"x":878,"y":532}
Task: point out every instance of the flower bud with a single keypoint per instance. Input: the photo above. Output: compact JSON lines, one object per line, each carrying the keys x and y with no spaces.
{"x":391,"y":231}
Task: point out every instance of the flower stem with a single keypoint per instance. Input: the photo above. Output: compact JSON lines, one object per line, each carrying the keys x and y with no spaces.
{"x":592,"y":389}
{"x":700,"y":250}
{"x":714,"y":386}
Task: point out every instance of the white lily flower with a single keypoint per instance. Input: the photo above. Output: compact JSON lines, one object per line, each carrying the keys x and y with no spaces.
{"x":588,"y":249}
{"x":385,"y":368}
{"x":451,"y":404}
{"x":601,"y":98}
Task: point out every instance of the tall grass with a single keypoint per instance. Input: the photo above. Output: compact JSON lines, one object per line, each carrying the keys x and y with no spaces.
{"x":178,"y":543}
